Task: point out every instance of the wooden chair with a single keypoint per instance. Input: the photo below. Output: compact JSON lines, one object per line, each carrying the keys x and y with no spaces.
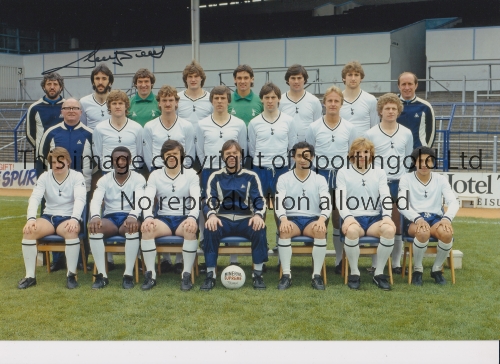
{"x":432,"y":249}
{"x":305,"y":249}
{"x":172,"y":245}
{"x":367,"y":245}
{"x":56,"y":243}
{"x":116,"y":244}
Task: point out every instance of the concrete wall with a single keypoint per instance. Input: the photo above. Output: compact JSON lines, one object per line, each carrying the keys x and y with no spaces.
{"x":465,"y":52}
{"x":11,"y":69}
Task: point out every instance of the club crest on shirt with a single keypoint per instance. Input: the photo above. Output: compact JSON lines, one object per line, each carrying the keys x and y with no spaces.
{"x":416,"y":115}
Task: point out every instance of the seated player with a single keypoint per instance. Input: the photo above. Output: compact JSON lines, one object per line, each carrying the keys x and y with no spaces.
{"x":235,"y":206}
{"x":424,"y":214}
{"x":177,"y":191}
{"x":393,"y":143}
{"x":302,"y":205}
{"x":65,"y":192}
{"x":118,"y":189}
{"x":361,"y":190}
{"x":331,"y":137}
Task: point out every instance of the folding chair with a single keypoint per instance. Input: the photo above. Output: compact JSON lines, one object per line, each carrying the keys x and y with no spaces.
{"x":305,"y":249}
{"x":116,"y":244}
{"x":56,"y":243}
{"x":173,"y":244}
{"x":367,"y":245}
{"x":432,"y":249}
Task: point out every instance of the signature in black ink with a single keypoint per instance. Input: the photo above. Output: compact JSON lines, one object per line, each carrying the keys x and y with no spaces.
{"x":117,"y":57}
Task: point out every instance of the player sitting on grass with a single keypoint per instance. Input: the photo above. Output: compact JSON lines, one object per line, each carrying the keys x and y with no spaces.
{"x":177,"y":191}
{"x":361,"y":190}
{"x":424,"y":215}
{"x":120,"y":218}
{"x":64,"y":191}
{"x":235,"y":206}
{"x":302,"y":205}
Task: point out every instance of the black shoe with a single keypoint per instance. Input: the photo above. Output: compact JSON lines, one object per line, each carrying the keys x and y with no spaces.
{"x":55,"y":266}
{"x":111,"y":266}
{"x":186,"y":284}
{"x":149,"y":282}
{"x":317,"y":283}
{"x":438,"y":277}
{"x":165,"y":266}
{"x":202,"y":268}
{"x":338,"y":269}
{"x":71,"y":282}
{"x":26,"y":283}
{"x":285,"y":282}
{"x":381,"y":282}
{"x":209,"y":282}
{"x":178,"y":268}
{"x":416,"y":279}
{"x":353,"y":281}
{"x":80,"y":267}
{"x":258,"y":280}
{"x":100,"y":281}
{"x":397,"y":270}
{"x":128,"y":282}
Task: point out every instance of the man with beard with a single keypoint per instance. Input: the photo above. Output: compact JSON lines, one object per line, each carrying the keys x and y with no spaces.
{"x":44,"y":114}
{"x":94,"y":108}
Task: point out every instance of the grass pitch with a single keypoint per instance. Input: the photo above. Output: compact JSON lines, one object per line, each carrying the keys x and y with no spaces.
{"x":469,"y":310}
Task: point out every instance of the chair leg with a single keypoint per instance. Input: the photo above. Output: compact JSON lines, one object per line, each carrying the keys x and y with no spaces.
{"x":346,"y":272}
{"x":158,"y":268}
{"x":452,"y":266}
{"x":47,"y":259}
{"x":405,"y":251}
{"x":324,"y":272}
{"x":410,"y":263}
{"x":94,"y":272}
{"x":196,"y":270}
{"x":281,"y":271}
{"x":84,"y":259}
{"x":136,"y":268}
{"x":342,"y":262}
{"x":389,"y":266}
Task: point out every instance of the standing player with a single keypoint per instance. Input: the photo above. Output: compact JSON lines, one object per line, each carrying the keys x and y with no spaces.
{"x":393,"y":144}
{"x":362,"y":189}
{"x":178,"y":192}
{"x":301,"y":105}
{"x":241,"y":213}
{"x":244,"y":103}
{"x":417,"y":115}
{"x":44,"y":114}
{"x":360,"y":107}
{"x":213,"y":131}
{"x":143,"y":105}
{"x":118,"y":130}
{"x":167,"y":126}
{"x":302,"y":205}
{"x":194,"y":102}
{"x":94,"y":107}
{"x":119,"y":218}
{"x":64,"y":190}
{"x":331,"y":136}
{"x":424,"y":216}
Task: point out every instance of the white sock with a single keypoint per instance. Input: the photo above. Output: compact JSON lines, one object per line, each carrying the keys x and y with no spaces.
{"x":384,"y":251}
{"x":29,"y":255}
{"x":285,"y":253}
{"x":97,"y":247}
{"x":258,"y":267}
{"x":211,"y":269}
{"x":233,"y":258}
{"x":442,"y":253}
{"x":189,"y":249}
{"x":418,"y":254}
{"x":396,"y":252}
{"x":110,"y":257}
{"x":351,"y":248}
{"x":178,"y":258}
{"x":148,"y":248}
{"x":72,"y":251}
{"x":131,"y":249}
{"x":318,"y":255}
{"x":338,"y":246}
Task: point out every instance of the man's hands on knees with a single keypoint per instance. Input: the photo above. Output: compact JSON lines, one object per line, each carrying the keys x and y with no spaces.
{"x":285,"y":226}
{"x":256,"y":222}
{"x":212,"y":223}
{"x":190,"y":225}
{"x":446,"y":224}
{"x":319,"y":225}
{"x":386,"y":220}
{"x":72,"y":226}
{"x":30,"y":227}
{"x":422,"y":226}
{"x":95,"y":225}
{"x":148,"y":225}
{"x":348,"y":222}
{"x":132,"y":225}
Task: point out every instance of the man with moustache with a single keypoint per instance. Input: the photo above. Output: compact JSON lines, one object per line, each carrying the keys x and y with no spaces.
{"x":94,"y":108}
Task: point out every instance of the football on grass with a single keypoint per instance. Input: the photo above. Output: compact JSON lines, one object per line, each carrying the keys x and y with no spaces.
{"x":233,"y":277}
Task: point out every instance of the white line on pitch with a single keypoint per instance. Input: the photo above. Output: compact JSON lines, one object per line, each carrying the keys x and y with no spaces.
{"x":11,"y":217}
